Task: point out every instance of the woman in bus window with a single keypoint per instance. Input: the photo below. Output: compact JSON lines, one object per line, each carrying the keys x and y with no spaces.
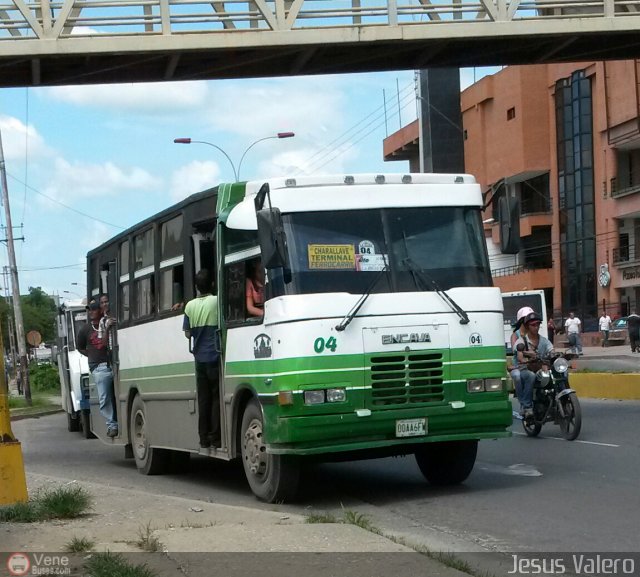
{"x":255,"y":289}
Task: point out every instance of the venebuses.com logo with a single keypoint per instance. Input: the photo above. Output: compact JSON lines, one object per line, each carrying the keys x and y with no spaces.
{"x":38,"y":564}
{"x":18,"y":564}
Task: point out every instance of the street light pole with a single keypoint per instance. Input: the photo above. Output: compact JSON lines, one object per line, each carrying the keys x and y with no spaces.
{"x":236,"y":173}
{"x":13,"y":269}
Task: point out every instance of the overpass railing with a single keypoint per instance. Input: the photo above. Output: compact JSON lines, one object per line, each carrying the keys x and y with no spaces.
{"x":46,"y":19}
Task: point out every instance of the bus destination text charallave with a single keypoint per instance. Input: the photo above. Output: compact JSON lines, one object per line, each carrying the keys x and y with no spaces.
{"x":332,"y":256}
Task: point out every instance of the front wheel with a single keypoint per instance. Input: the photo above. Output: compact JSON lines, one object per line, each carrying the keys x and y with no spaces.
{"x":448,"y":463}
{"x":571,"y":423}
{"x":272,"y":478}
{"x":150,"y":461}
{"x":531,"y":427}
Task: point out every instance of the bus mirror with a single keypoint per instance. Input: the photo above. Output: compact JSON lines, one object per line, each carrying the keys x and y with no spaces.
{"x":272,"y":239}
{"x":509,"y":211}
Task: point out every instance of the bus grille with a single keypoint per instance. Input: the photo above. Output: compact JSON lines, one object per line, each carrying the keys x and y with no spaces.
{"x":407,"y":378}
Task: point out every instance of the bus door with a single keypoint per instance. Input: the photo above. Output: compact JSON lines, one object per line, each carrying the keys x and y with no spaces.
{"x":111,"y":290}
{"x":204,"y":257}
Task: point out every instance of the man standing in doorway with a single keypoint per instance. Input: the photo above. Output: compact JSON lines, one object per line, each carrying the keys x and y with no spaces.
{"x":573,"y":324}
{"x":92,"y":342}
{"x":201,"y":324}
{"x":605,"y":327}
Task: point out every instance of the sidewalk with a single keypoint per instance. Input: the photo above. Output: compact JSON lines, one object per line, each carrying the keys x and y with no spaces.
{"x":125,"y":520}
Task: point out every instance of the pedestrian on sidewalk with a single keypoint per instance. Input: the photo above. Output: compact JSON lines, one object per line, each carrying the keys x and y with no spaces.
{"x":551,"y":329}
{"x":605,"y":327}
{"x":633,"y":326}
{"x":201,"y":324}
{"x":573,"y":326}
{"x":92,"y":341}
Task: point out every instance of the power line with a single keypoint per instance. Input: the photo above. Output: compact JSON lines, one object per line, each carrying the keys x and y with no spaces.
{"x":91,"y":216}
{"x":37,"y":268}
{"x":340,"y":151}
{"x":330,"y":147}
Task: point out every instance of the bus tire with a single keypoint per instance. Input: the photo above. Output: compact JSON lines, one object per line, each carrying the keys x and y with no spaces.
{"x":448,"y":463}
{"x":272,"y":478}
{"x":85,"y":424}
{"x":73,"y":422}
{"x":149,"y":461}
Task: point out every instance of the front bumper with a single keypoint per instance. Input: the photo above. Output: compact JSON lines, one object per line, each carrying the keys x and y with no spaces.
{"x":317,"y":434}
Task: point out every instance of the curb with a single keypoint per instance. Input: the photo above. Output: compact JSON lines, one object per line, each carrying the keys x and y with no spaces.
{"x":606,"y":385}
{"x":36,"y":415}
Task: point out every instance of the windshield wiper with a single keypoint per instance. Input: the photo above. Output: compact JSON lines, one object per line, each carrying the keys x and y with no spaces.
{"x":417,"y":273}
{"x":344,"y":323}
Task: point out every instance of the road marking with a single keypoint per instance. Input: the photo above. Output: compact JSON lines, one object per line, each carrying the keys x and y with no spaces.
{"x":519,"y":469}
{"x":576,"y":441}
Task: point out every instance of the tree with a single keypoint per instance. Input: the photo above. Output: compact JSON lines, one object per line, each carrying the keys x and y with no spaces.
{"x":39,"y":313}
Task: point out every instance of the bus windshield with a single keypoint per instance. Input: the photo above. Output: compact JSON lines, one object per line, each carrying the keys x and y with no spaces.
{"x":344,"y":251}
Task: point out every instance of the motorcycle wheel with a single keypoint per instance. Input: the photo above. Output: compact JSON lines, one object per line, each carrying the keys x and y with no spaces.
{"x":531,"y":427}
{"x":571,"y":424}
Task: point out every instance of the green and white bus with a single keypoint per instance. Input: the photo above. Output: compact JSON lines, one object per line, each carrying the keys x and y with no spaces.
{"x":382,"y":333}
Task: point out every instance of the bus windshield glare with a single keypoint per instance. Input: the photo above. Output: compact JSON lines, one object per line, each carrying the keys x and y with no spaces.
{"x":344,"y":251}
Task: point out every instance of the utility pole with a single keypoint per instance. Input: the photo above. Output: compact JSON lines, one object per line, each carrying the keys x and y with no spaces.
{"x":12,"y":335}
{"x":13,"y":269}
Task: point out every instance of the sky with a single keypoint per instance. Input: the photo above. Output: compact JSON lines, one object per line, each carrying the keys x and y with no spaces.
{"x":86,"y":162}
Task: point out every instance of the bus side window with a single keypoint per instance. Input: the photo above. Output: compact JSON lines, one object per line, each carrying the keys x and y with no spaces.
{"x":235,"y":290}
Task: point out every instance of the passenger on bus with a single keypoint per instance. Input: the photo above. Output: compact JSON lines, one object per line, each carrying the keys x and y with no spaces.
{"x":255,"y":289}
{"x":94,"y":346}
{"x":201,"y":324}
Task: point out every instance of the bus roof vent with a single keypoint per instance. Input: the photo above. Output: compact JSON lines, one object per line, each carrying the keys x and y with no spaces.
{"x":459,"y":180}
{"x":406,"y":179}
{"x":349,"y":179}
{"x":380,"y":179}
{"x":290,"y":182}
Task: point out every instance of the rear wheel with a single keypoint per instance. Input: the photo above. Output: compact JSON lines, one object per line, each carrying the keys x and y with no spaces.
{"x":271,"y":477}
{"x":150,"y":461}
{"x":85,"y":424}
{"x":447,"y":463}
{"x":571,"y":424}
{"x":73,"y":422}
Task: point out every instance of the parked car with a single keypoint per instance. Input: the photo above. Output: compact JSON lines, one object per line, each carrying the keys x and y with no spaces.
{"x":619,"y":334}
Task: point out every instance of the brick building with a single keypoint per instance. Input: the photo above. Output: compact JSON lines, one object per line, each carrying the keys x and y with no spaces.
{"x":564,"y":139}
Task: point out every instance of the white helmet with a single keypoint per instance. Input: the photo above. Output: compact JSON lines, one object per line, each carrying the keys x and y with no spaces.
{"x":523,"y":312}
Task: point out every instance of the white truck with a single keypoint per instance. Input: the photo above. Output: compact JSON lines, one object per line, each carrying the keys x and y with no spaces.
{"x":513,"y":302}
{"x":73,"y":368}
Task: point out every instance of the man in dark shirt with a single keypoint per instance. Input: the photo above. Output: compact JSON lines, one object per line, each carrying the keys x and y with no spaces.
{"x":92,"y":341}
{"x":633,"y":326}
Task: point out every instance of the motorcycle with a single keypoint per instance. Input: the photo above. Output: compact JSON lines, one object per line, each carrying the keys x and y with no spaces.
{"x":553,"y":400}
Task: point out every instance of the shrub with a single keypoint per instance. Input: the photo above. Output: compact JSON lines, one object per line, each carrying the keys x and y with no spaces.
{"x":44,"y":378}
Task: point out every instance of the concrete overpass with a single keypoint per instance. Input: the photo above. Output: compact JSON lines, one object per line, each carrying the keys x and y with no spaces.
{"x":49,"y":42}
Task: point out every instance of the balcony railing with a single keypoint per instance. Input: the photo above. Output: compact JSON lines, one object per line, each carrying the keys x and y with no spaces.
{"x":535,"y":205}
{"x":630,"y":185}
{"x":520,"y":268}
{"x":625,"y":255}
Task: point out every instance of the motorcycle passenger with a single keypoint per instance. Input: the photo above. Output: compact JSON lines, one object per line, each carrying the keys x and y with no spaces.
{"x":515,"y":371}
{"x":530,"y":347}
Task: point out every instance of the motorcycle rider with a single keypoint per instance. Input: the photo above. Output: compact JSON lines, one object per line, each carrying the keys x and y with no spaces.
{"x":529,"y":347}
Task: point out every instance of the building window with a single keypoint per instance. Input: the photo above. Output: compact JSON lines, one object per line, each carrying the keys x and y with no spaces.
{"x":465,"y":135}
{"x":574,"y":128}
{"x":511,"y":113}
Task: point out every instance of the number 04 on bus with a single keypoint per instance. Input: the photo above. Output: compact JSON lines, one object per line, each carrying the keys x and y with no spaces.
{"x":381,"y":335}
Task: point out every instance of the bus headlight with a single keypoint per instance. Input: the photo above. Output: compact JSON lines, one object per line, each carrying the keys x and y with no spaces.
{"x":493,"y":385}
{"x":475,"y":386}
{"x":336,"y":395}
{"x":313,"y":397}
{"x":560,"y":365}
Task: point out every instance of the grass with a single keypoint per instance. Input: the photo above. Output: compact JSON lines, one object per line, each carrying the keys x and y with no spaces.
{"x":79,"y":545}
{"x":360,"y":520}
{"x":21,"y":403}
{"x":321,"y":518}
{"x":110,"y":565}
{"x":147,"y":541}
{"x":59,"y":503}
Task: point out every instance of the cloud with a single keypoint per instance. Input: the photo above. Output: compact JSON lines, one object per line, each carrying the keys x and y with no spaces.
{"x":18,"y":138}
{"x":79,"y":180}
{"x":194,"y":177}
{"x":144,"y":98}
{"x":311,"y":107}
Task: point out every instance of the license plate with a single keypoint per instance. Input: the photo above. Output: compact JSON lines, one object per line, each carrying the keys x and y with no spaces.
{"x":411,"y":427}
